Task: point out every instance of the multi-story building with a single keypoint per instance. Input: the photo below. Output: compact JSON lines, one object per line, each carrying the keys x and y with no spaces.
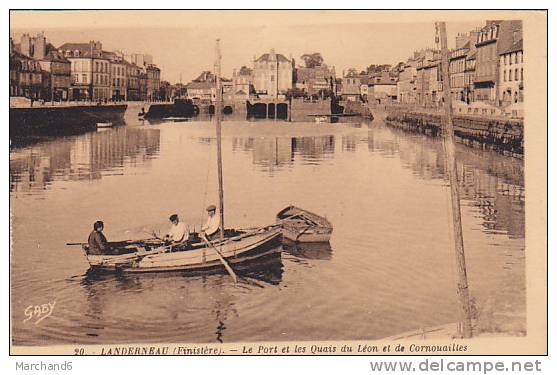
{"x":382,"y":88}
{"x":142,"y":78}
{"x":25,"y":76}
{"x":494,"y":38}
{"x":351,"y":86}
{"x":407,"y":77}
{"x":272,"y":74}
{"x":153,"y":81}
{"x":457,"y":68}
{"x":90,"y":71}
{"x":203,"y":91}
{"x":428,"y":78}
{"x":118,"y":76}
{"x":56,"y":75}
{"x":132,"y":81}
{"x":242,"y":83}
{"x":511,"y":71}
{"x":316,"y":80}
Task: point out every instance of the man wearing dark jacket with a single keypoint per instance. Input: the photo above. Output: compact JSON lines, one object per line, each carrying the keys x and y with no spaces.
{"x":98,"y":245}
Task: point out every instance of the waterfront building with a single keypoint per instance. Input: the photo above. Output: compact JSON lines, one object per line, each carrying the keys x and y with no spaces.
{"x":428,"y":78}
{"x":204,"y":91}
{"x":142,"y":78}
{"x":382,"y":88}
{"x":132,"y":81}
{"x":511,"y":71}
{"x":56,"y":75}
{"x":493,"y":39}
{"x":242,"y":82}
{"x":351,"y":86}
{"x":470,"y":74}
{"x":457,"y":67}
{"x":407,"y":78}
{"x":90,"y":70}
{"x":25,"y":76}
{"x":153,"y":81}
{"x":315,"y":81}
{"x":272,"y":74}
{"x":118,"y":83}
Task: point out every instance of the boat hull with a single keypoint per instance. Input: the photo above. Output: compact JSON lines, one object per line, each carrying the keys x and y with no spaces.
{"x":238,"y":253}
{"x":299,"y":225}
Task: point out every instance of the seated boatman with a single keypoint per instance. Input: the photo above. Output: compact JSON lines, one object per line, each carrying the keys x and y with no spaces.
{"x":178,"y":231}
{"x":212,"y":225}
{"x":98,"y":245}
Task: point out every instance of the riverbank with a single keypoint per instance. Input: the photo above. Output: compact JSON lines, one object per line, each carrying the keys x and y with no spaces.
{"x":62,"y":120}
{"x":499,"y":133}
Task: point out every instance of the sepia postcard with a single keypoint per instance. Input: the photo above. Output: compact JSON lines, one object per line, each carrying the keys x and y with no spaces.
{"x":278,"y":182}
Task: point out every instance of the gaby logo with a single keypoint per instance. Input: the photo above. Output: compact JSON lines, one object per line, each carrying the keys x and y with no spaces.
{"x":38,"y":312}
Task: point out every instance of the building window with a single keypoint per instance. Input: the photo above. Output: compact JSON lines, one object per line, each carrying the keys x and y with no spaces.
{"x":504,"y":76}
{"x":516,"y":74}
{"x":510,"y":75}
{"x":516,"y":58}
{"x":521,"y":74}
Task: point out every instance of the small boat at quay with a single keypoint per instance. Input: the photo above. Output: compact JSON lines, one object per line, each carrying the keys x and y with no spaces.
{"x":300,"y":225}
{"x":101,"y":125}
{"x":238,"y":249}
{"x":198,"y":254}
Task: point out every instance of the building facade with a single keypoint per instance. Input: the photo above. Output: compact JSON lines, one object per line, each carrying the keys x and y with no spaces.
{"x":132,"y":81}
{"x":272,"y":74}
{"x":26,"y":77}
{"x":492,"y":40}
{"x":57,"y":79}
{"x":153,"y":81}
{"x":118,"y":76}
{"x":90,"y":71}
{"x":315,"y":81}
{"x":511,"y":72}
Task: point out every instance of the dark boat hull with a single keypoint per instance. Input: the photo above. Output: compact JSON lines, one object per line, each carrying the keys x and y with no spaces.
{"x":62,"y":120}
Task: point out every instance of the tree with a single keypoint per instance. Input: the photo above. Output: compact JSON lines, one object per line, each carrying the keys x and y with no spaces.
{"x":312,"y":60}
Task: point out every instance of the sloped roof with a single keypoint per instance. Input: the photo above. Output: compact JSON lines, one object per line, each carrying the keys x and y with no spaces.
{"x":515,"y":47}
{"x":266,"y":57}
{"x":55,"y":56}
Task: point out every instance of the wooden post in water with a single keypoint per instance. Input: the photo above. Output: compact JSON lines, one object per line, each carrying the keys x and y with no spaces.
{"x":218,"y":114}
{"x":462,"y":286}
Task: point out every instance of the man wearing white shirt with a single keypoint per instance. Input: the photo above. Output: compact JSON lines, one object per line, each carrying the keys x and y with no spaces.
{"x":212,"y":225}
{"x":178,"y":231}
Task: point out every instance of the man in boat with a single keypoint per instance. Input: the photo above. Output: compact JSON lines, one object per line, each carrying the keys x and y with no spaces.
{"x":98,"y":245}
{"x":212,"y":225}
{"x":178,"y":231}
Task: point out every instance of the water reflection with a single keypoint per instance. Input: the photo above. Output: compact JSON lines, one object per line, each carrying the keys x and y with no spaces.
{"x":211,"y":299}
{"x":85,"y":157}
{"x":309,"y":250}
{"x":489,"y":181}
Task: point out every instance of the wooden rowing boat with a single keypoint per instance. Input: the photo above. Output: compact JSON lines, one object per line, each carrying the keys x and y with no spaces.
{"x":197,"y":254}
{"x":151,"y":256}
{"x":300,"y":225}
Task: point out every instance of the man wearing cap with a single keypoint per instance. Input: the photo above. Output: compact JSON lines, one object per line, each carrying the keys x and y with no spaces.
{"x":212,"y":226}
{"x":178,"y":230}
{"x":98,"y":245}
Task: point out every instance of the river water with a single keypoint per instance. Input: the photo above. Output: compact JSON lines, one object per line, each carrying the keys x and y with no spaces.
{"x":389,"y":267}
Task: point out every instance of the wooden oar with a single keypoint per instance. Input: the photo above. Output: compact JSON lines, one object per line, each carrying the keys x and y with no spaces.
{"x":224,"y":262}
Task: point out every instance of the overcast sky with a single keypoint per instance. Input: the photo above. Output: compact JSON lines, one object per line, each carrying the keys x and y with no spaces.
{"x":184,"y":41}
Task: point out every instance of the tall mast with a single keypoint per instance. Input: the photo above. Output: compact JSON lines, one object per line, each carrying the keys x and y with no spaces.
{"x":462,"y":286}
{"x":218,"y":114}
